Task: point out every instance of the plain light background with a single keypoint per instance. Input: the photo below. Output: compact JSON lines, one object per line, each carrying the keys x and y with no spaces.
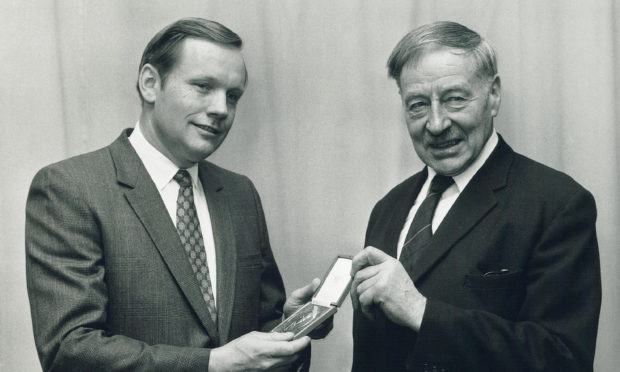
{"x":320,"y":129}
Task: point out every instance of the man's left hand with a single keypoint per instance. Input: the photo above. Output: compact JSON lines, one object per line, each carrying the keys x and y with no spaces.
{"x":380,"y":279}
{"x":299,"y":298}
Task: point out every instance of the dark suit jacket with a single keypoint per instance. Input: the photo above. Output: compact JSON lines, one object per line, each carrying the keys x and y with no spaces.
{"x":110,"y":286}
{"x":541,"y":315}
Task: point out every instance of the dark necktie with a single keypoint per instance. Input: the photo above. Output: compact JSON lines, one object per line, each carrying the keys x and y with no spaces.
{"x":188,"y":227}
{"x":420,"y":232}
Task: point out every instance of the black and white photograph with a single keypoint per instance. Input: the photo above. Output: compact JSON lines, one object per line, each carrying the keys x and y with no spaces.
{"x":179,"y":176}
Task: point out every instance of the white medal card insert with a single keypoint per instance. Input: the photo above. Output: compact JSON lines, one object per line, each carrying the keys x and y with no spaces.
{"x":325,"y":302}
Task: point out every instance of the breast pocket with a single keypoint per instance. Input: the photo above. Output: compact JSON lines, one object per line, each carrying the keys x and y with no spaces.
{"x":499,"y":293}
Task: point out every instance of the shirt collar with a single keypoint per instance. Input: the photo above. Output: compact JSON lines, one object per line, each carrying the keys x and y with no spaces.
{"x":159,"y":167}
{"x":461,"y":180}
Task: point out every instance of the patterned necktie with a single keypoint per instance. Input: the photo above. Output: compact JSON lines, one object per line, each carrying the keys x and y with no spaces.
{"x":188,"y":227}
{"x":420,"y":232}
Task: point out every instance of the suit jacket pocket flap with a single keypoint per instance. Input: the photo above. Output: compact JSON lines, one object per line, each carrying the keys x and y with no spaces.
{"x":503,"y":280}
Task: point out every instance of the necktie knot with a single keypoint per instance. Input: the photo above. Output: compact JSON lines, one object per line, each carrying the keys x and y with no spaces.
{"x":183,"y":178}
{"x":439,"y":184}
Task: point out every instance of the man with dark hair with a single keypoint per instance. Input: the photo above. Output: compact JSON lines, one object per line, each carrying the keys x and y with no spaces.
{"x":142,"y":256}
{"x":485,"y":260}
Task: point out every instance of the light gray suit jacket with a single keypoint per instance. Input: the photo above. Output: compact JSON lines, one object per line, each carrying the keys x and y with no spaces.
{"x":110,"y":286}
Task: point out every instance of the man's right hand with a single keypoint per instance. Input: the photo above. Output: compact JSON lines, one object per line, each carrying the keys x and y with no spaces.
{"x":381,"y":280}
{"x":257,"y":351}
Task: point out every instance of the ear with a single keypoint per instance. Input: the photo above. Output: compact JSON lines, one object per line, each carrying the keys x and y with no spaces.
{"x":495,"y":95}
{"x":149,"y":83}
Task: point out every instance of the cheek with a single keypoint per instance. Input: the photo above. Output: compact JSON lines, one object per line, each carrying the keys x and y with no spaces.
{"x":469,"y":123}
{"x":170,"y":108}
{"x":232,"y":111}
{"x":181,"y":99}
{"x":228,"y":122}
{"x":416,"y":128}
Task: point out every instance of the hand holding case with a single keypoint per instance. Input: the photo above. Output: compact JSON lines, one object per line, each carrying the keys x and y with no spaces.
{"x":325,"y":302}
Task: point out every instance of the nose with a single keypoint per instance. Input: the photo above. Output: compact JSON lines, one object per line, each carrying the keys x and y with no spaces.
{"x":217,"y":105}
{"x":438,"y":120}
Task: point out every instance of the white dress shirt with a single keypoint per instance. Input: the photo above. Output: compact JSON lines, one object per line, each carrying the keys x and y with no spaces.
{"x":449,"y":196}
{"x":162,"y":170}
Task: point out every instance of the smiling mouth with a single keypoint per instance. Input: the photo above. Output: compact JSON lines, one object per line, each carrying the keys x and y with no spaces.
{"x":444,"y":145}
{"x":206,"y":128}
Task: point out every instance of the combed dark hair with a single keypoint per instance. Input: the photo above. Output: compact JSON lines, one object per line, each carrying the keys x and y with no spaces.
{"x":163,"y":49}
{"x":447,"y":34}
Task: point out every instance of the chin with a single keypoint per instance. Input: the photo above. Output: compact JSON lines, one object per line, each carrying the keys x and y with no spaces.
{"x":203,"y":150}
{"x":203,"y":156}
{"x":448,"y":169}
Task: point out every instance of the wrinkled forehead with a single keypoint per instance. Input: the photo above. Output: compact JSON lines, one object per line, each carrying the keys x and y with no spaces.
{"x":439,"y":64}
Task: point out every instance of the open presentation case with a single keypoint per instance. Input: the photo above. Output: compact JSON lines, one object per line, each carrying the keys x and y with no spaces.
{"x":325,"y":302}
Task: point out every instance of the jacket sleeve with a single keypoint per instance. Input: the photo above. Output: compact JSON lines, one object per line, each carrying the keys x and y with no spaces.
{"x":66,"y":281}
{"x":557,"y":322}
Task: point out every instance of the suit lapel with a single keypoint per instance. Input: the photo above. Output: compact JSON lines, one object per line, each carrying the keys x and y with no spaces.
{"x":224,"y":238}
{"x":400,"y":212}
{"x":144,"y":198}
{"x":471,"y":206}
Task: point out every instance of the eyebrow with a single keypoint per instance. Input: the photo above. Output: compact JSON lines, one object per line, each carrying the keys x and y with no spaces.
{"x":216,"y":82}
{"x":443,"y":91}
{"x":458,"y":89}
{"x":457,"y":86}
